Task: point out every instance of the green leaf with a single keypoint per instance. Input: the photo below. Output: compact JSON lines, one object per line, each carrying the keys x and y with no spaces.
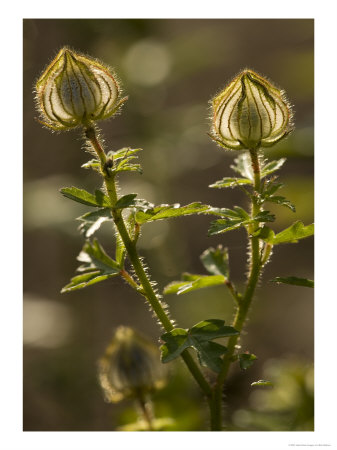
{"x":169,"y":211}
{"x":126,"y":201}
{"x":84,"y":197}
{"x":246,"y":360}
{"x":199,"y":338}
{"x":264,"y":216}
{"x":209,"y":355}
{"x":197,"y":282}
{"x":212,"y":329}
{"x":265,"y":233}
{"x":123,"y":153}
{"x":92,"y":164}
{"x":215,"y":261}
{"x":85,"y":280}
{"x":290,"y":235}
{"x":280,"y":201}
{"x":91,"y":221}
{"x":243,"y":166}
{"x":97,"y":266}
{"x":262,"y":383}
{"x":294,"y":280}
{"x":271,"y":167}
{"x":223,"y":225}
{"x":295,"y":232}
{"x":230,"y":182}
{"x":176,"y":341}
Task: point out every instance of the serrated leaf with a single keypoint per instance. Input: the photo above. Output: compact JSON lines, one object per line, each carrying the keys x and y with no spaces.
{"x":212,"y":329}
{"x":290,"y":235}
{"x":264,"y":216}
{"x":199,"y":338}
{"x":271,"y":167}
{"x":295,"y":232}
{"x":262,"y":383}
{"x":280,"y":201}
{"x":243,"y":166}
{"x":294,"y":280}
{"x":176,"y":341}
{"x":85,"y":280}
{"x":197,"y":282}
{"x":265,"y":233}
{"x":209,"y":355}
{"x":123,"y":153}
{"x":97,"y":266}
{"x":215,"y":261}
{"x":126,"y":201}
{"x":169,"y":211}
{"x":230,"y":182}
{"x":91,"y":221}
{"x":246,"y":360}
{"x":92,"y":164}
{"x":223,"y":225}
{"x":84,"y":197}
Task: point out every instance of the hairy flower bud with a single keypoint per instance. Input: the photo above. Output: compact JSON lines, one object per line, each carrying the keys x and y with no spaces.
{"x":76,"y":90}
{"x":130,"y":366}
{"x":250,"y":113}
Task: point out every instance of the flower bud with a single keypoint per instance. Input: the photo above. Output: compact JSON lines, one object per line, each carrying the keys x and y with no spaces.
{"x":250,"y":113}
{"x":130,"y":366}
{"x":76,"y":90}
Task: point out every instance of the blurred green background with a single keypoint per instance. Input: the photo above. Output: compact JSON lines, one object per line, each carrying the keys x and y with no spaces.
{"x":170,"y":69}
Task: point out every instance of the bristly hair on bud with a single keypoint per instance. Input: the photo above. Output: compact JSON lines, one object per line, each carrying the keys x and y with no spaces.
{"x":130,"y":366}
{"x":76,"y":90}
{"x":250,"y":113}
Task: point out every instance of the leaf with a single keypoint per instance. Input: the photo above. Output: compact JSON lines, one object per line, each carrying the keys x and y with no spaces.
{"x":295,"y":232}
{"x":197,"y":282}
{"x":264,"y":216}
{"x":230,"y":182}
{"x":265,"y":233}
{"x":280,"y":201}
{"x":215,"y":261}
{"x":294,"y":280}
{"x":235,"y":219}
{"x":243,"y":166}
{"x":123,"y":153}
{"x":199,"y":338}
{"x":92,"y":164}
{"x":211,"y":329}
{"x":84,"y":197}
{"x":209,"y":354}
{"x":271,"y":167}
{"x":262,"y":383}
{"x":169,"y":211}
{"x":91,"y":221}
{"x":290,"y":235}
{"x":126,"y":201}
{"x":246,"y":360}
{"x":97,"y":266}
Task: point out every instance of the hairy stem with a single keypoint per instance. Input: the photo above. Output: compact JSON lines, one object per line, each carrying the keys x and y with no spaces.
{"x":244,"y":302}
{"x":130,"y":246}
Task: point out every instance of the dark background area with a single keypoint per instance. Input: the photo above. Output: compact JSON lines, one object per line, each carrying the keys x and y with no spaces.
{"x":170,"y":69}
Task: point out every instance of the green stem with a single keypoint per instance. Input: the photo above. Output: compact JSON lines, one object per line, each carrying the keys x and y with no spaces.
{"x":243,"y":304}
{"x":130,"y":246}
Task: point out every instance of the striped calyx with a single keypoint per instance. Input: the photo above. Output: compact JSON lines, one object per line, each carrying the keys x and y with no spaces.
{"x":250,"y":113}
{"x":130,"y":366}
{"x":76,"y":90}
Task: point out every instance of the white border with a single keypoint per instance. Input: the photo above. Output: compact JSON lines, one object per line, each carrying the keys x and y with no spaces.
{"x":324,"y":13}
